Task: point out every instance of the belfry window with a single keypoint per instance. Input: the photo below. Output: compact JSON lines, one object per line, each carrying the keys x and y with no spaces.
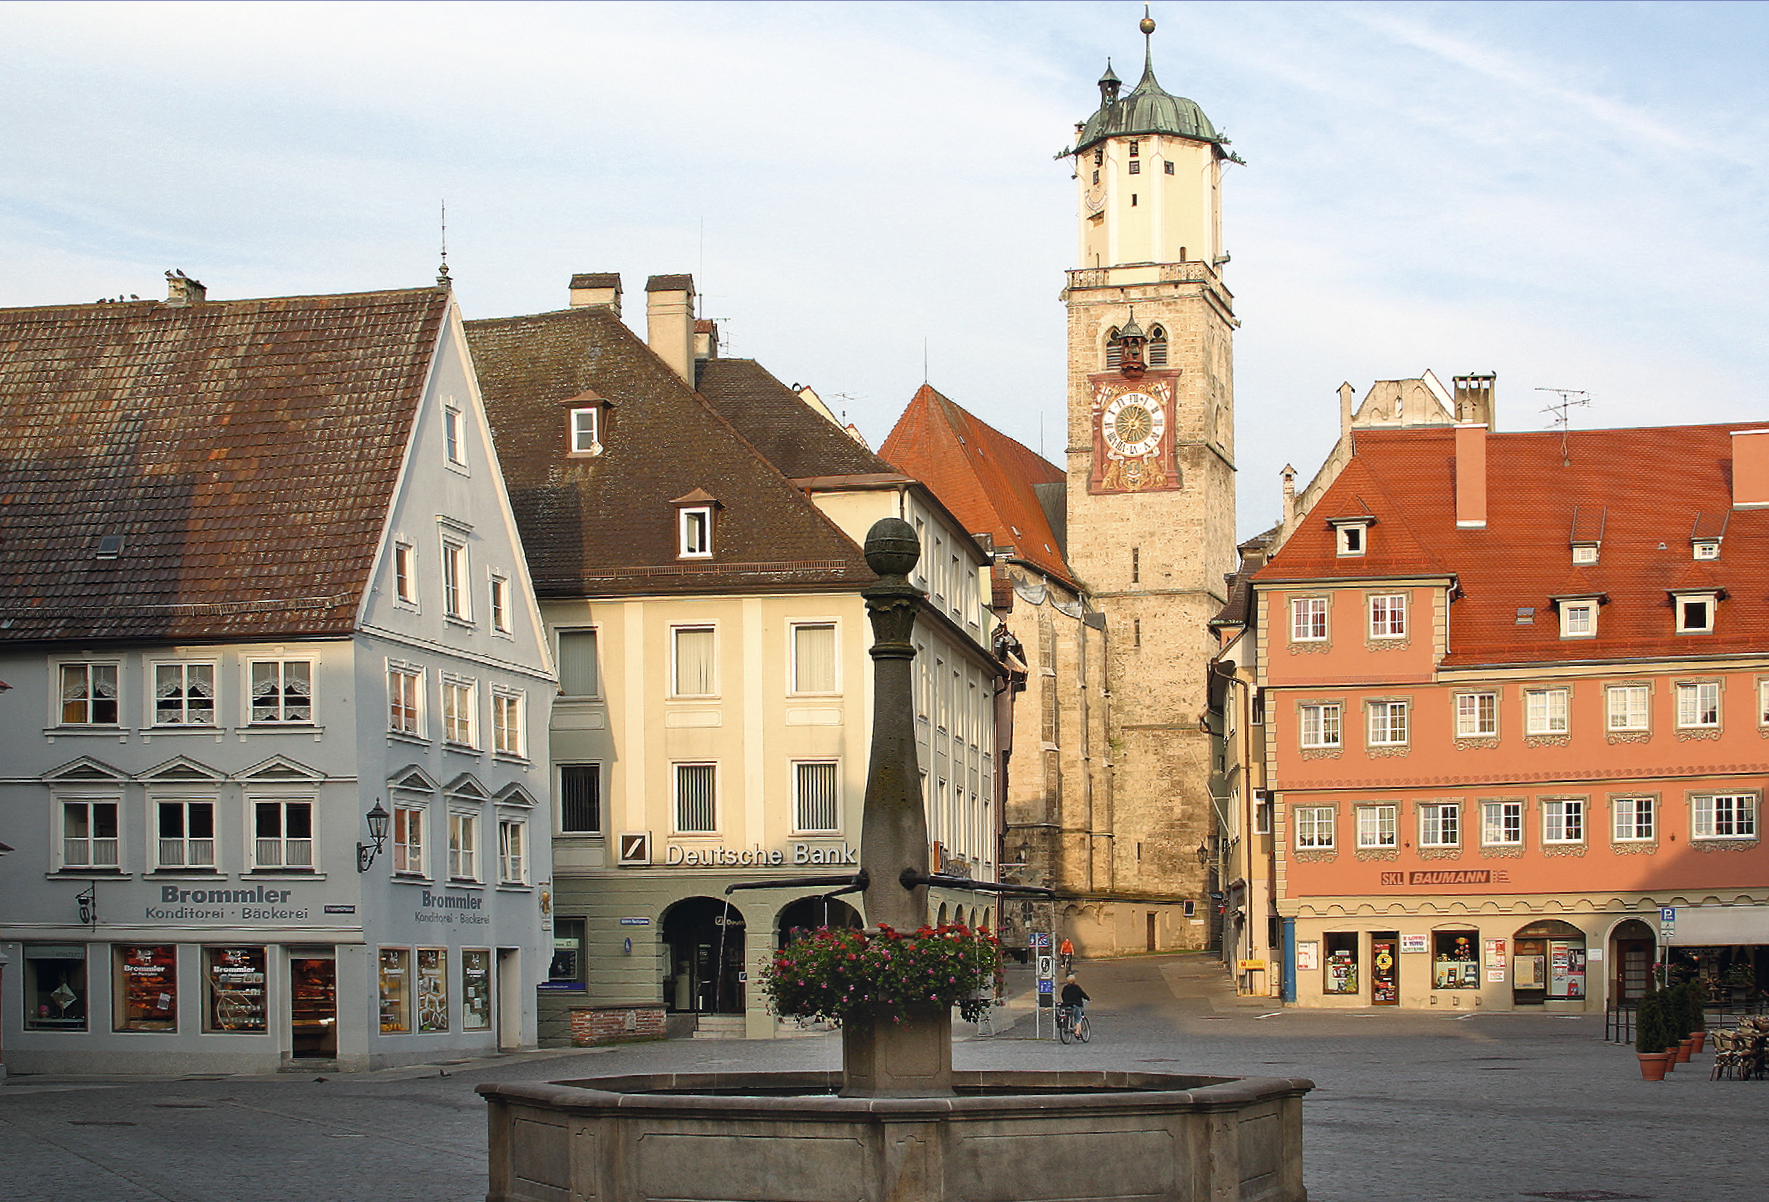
{"x":1114,"y":350}
{"x":1135,"y":149}
{"x":1155,"y":354}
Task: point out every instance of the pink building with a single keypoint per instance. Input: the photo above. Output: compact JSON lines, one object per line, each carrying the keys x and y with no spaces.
{"x":1515,"y":704}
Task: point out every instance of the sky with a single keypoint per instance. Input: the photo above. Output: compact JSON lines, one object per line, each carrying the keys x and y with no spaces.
{"x":1569,"y":195}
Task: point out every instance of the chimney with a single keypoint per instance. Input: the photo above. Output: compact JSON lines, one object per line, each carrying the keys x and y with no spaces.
{"x":182,"y":290}
{"x":1474,"y":398}
{"x":669,"y":322}
{"x":1288,"y":474}
{"x":592,"y":288}
{"x":1471,"y":476}
{"x":1345,"y":394}
{"x":706,"y":341}
{"x":1750,"y":469}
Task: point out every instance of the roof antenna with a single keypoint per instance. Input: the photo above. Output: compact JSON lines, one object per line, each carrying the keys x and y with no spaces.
{"x":924,"y":360}
{"x":1569,"y":397}
{"x":442,"y":280}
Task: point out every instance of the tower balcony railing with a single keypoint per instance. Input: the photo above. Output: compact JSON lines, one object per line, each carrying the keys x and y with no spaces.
{"x":1121,"y":274}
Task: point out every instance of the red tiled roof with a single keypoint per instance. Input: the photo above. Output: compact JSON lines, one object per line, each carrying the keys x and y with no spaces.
{"x":984,"y":477}
{"x":245,"y":451}
{"x":1651,"y":486}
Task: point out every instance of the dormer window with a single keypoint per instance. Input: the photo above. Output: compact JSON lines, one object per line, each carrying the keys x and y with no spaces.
{"x":585,"y":439}
{"x":1706,"y":548}
{"x":1351,"y":536}
{"x":1584,"y":553}
{"x":1695,"y":611}
{"x":586,"y":423}
{"x":1578,"y":616}
{"x":694,"y":524}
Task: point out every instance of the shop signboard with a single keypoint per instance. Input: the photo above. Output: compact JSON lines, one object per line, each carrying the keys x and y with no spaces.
{"x":1414,"y":944}
{"x":1308,"y":954}
{"x":1566,"y":969}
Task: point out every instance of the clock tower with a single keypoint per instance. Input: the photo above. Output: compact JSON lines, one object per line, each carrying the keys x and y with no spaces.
{"x":1151,"y":503}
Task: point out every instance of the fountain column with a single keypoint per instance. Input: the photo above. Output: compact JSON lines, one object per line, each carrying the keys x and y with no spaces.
{"x":884,"y":1057}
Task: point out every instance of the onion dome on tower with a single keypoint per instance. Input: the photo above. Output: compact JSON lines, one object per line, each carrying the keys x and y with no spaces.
{"x":1147,"y":109}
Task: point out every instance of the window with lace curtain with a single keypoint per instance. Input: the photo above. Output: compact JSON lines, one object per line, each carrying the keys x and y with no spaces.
{"x":813,"y":657}
{"x":694,"y":662}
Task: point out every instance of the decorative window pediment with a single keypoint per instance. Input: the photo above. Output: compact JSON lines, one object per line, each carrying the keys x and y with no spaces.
{"x":84,"y":769}
{"x":280,"y":768}
{"x":414,"y":778}
{"x":466,"y":787}
{"x":182,"y":768}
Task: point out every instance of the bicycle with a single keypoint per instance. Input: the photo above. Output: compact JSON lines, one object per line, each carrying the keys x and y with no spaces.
{"x":1070,"y":1025}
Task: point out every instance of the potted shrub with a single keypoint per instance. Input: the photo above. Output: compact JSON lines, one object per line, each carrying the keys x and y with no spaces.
{"x":1649,"y":1037}
{"x":1698,"y":1015}
{"x":1683,"y":1020}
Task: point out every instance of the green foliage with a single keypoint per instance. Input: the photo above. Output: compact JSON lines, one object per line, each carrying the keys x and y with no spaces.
{"x":840,"y":971}
{"x":1680,"y":1013}
{"x":1650,"y":1034}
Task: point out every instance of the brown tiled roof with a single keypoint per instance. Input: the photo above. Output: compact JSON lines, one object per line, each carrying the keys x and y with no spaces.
{"x":792,"y":436}
{"x":245,"y":452}
{"x":669,"y":283}
{"x":604,"y":525}
{"x":1654,"y":484}
{"x":983,"y":476}
{"x":596,"y":279}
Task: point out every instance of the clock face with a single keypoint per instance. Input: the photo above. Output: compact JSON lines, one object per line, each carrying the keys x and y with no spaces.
{"x":1132,"y":424}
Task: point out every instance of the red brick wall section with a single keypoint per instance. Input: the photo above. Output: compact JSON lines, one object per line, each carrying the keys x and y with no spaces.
{"x":627,"y":1025}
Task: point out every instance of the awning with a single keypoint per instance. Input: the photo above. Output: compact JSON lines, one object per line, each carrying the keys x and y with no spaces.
{"x":1719,"y":926}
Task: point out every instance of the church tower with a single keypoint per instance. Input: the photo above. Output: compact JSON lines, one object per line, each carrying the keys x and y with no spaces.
{"x":1151,"y":502}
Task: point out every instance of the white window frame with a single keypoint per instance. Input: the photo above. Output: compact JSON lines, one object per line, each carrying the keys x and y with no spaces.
{"x":1620,"y":712}
{"x":509,"y":729}
{"x":694,"y":532}
{"x":1708,"y":816}
{"x":799,"y":801}
{"x":192,"y":856}
{"x":1584,"y":554}
{"x":676,"y":779}
{"x":584,"y":427}
{"x":464,"y":844}
{"x":1763,"y":703}
{"x":512,"y":850}
{"x":1680,"y":602}
{"x":1308,"y":619}
{"x":1698,"y":705}
{"x":1389,"y":723}
{"x":1477,"y":714}
{"x":1440,"y":824}
{"x":1704,"y":548}
{"x":457,"y":600}
{"x":454,"y":435}
{"x":288,"y":849}
{"x":676,"y":633}
{"x":1578,"y":619}
{"x":1547,"y":711}
{"x":499,"y":603}
{"x":1351,"y":539}
{"x":792,"y":682}
{"x":1635,"y":819}
{"x":283,"y":706}
{"x":1388,"y":616}
{"x":96,"y":673}
{"x":1378,"y":826}
{"x":1563,"y":820}
{"x":460,"y":712}
{"x":405,"y":574}
{"x":1500,"y":817}
{"x":184,"y":668}
{"x":1314,"y":828}
{"x":95,"y":845}
{"x":405,"y":832}
{"x":1321,"y":724}
{"x":405,"y":699}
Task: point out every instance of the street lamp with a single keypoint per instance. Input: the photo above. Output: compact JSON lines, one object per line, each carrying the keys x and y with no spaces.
{"x":365,"y":855}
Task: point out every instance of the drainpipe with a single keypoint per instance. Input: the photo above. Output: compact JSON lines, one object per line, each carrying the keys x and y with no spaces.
{"x":1289,"y":994}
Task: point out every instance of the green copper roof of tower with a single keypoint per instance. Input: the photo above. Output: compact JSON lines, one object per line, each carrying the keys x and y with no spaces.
{"x":1148,"y":109}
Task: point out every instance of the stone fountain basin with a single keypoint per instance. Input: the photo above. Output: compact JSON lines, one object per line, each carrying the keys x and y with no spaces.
{"x":1004,"y":1137}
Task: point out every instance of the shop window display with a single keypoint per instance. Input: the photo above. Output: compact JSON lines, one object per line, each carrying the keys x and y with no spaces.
{"x":396,"y":983}
{"x":147,"y":988}
{"x":313,"y":1006}
{"x":476,"y":990}
{"x":1454,"y":961}
{"x":1342,"y":966}
{"x":432,"y":989}
{"x":55,"y":986}
{"x":233,"y":980}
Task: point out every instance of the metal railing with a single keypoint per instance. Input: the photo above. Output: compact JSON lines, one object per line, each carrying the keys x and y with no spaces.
{"x":1618,"y":1017}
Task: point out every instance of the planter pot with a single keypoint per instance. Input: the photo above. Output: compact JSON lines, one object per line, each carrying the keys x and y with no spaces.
{"x":1653,"y":1065}
{"x":1670,"y":1055}
{"x":1684,"y":1048}
{"x":1701,"y":1041}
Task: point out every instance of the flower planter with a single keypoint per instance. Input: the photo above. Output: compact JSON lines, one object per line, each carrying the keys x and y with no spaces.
{"x":1701,"y":1040}
{"x":1684,"y":1048}
{"x":1653,"y":1065}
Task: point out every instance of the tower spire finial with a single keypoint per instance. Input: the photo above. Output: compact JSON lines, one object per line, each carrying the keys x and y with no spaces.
{"x":1147,"y":25}
{"x":442,"y":279}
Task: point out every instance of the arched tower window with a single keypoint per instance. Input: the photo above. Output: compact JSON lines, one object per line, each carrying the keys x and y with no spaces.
{"x":1114,"y":350}
{"x":1155,"y":354}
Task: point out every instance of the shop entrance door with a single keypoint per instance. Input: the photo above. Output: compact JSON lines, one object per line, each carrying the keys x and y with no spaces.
{"x":1384,"y":968}
{"x":509,"y":1007}
{"x":705,"y":938}
{"x":313,"y":1006}
{"x":1630,"y":956}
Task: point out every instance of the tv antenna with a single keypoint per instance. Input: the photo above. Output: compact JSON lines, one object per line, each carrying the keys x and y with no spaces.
{"x":1561,"y":409}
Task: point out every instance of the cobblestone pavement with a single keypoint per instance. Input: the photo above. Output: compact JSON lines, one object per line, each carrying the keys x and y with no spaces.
{"x":1409,"y":1107}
